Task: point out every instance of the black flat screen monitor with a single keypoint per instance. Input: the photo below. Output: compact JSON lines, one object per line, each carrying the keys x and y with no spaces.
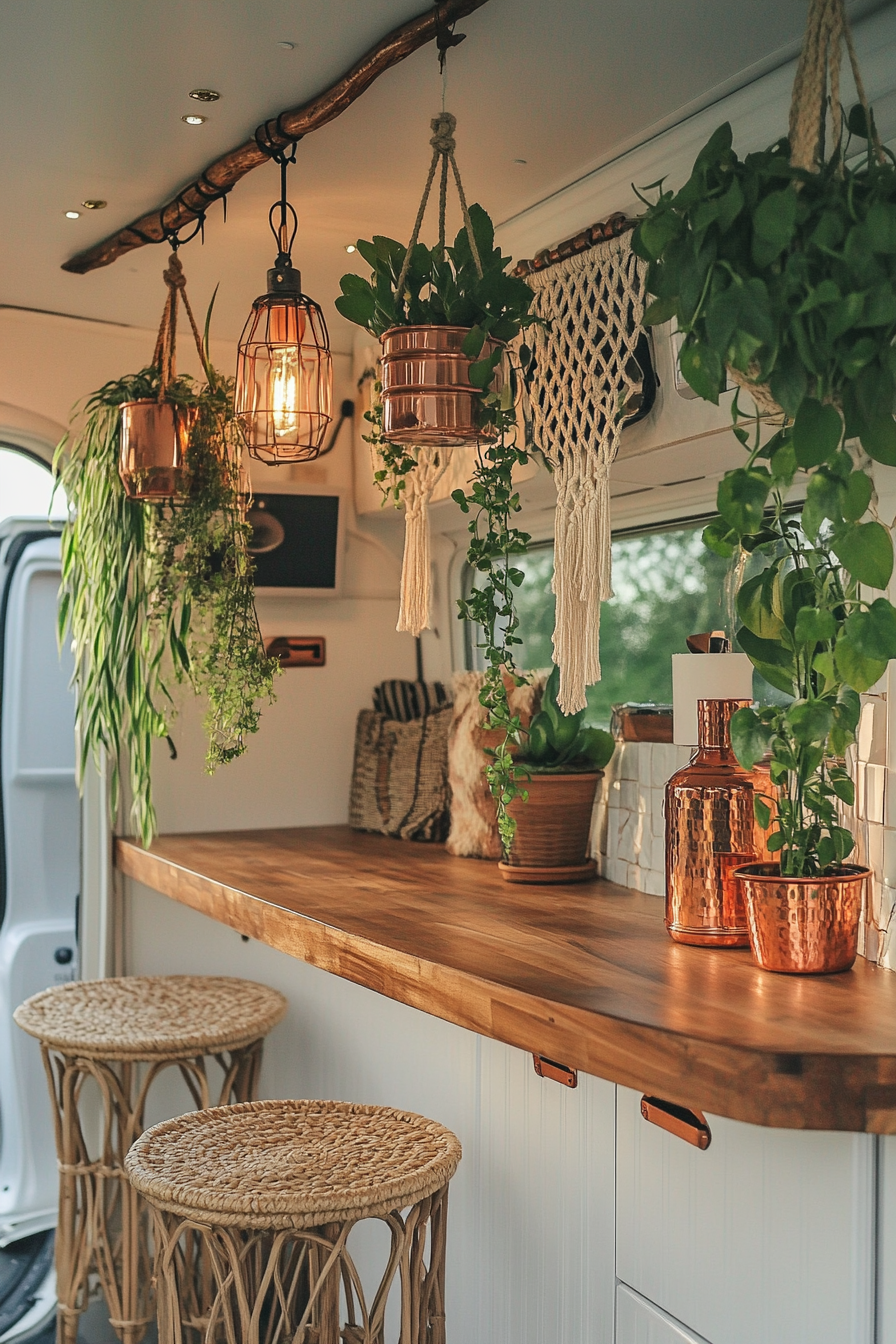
{"x":295,"y":540}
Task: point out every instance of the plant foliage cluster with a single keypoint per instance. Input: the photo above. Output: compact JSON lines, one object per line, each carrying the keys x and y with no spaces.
{"x":154,"y":595}
{"x":558,"y":743}
{"x":790,"y":278}
{"x":443,"y":287}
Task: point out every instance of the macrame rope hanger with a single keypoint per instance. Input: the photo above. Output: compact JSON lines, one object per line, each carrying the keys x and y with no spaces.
{"x":165,"y":355}
{"x":414,"y":613}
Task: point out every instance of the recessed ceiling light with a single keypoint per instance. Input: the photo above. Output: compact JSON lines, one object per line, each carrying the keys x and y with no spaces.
{"x":287,"y":46}
{"x":193,"y":119}
{"x":94,"y":205}
{"x":521,"y":160}
{"x":73,"y":214}
{"x":205,"y":95}
{"x":350,"y":247}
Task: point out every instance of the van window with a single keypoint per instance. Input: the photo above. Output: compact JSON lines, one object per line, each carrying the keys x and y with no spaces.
{"x":667,"y":585}
{"x":26,"y":487}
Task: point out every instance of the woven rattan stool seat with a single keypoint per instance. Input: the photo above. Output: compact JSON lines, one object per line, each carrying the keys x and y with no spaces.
{"x":292,"y":1164}
{"x":147,"y":1017}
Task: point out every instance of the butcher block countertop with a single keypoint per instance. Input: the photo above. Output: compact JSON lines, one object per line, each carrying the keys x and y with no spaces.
{"x":584,"y":974}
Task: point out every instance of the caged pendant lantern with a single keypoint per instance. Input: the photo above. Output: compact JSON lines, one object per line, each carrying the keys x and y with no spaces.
{"x":284,"y":373}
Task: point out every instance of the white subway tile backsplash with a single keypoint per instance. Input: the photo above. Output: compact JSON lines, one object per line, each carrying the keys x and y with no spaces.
{"x":875,"y":790}
{"x":654,"y":884}
{"x":629,"y":794}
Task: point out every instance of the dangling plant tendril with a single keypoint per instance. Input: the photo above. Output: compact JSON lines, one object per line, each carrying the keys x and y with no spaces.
{"x":154,"y":595}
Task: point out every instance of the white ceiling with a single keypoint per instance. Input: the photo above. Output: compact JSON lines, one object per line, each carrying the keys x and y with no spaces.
{"x":92,"y":92}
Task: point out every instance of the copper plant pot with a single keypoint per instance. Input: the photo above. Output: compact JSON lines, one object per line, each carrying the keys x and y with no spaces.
{"x":553,"y":829}
{"x":803,"y":925}
{"x":428,"y":398}
{"x":154,"y":439}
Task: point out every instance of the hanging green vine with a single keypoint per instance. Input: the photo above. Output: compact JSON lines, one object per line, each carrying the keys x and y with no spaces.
{"x":155,"y":595}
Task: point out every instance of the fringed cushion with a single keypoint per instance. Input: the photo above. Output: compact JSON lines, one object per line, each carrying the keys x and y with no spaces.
{"x":400,"y":776}
{"x":474,"y":828}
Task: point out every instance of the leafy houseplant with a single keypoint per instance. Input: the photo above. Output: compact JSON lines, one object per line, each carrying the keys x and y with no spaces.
{"x":787,"y":277}
{"x":154,"y":594}
{"x":443,"y":286}
{"x":559,"y":761}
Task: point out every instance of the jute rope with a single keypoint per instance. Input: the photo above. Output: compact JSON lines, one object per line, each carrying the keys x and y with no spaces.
{"x":165,"y":355}
{"x":416,"y":565}
{"x":827,"y":30}
{"x":443,"y":146}
{"x":584,"y":370}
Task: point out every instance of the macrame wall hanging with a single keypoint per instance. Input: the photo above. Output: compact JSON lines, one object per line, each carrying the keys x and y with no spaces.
{"x":585,"y":371}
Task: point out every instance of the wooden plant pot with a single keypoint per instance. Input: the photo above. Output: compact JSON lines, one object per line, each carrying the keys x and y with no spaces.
{"x":427,"y":395}
{"x":553,"y":829}
{"x":154,"y":439}
{"x":803,"y":925}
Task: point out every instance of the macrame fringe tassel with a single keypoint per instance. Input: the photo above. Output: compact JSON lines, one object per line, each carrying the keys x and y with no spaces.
{"x":582,"y":574}
{"x":416,"y":566}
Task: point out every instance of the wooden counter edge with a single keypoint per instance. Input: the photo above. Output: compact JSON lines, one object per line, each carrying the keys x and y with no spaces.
{"x":833,"y":1092}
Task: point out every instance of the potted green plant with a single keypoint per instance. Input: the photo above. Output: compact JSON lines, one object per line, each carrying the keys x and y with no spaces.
{"x":781,"y":268}
{"x":154,"y":594}
{"x":444,"y":288}
{"x":559,"y":761}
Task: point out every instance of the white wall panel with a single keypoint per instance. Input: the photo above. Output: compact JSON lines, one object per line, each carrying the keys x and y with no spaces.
{"x":764,"y":1238}
{"x":530,"y":1258}
{"x":640,"y":1322}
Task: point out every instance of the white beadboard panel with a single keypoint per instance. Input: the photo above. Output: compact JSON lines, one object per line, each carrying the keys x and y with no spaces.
{"x":640,"y":1322}
{"x":530,"y":1227}
{"x":886,"y":1249}
{"x":545,"y":1175}
{"x":767,"y":1237}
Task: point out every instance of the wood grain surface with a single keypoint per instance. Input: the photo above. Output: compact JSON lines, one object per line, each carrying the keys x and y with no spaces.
{"x":584,"y":974}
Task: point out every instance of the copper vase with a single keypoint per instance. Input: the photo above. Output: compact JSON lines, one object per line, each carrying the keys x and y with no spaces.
{"x":553,"y":829}
{"x":803,"y":925}
{"x":427,"y":394}
{"x":710,"y":832}
{"x":155,"y":436}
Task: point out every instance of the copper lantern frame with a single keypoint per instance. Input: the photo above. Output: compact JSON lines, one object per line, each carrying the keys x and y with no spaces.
{"x":284,"y":375}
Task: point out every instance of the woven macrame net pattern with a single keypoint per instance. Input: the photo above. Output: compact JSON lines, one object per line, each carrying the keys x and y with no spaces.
{"x":585,"y":371}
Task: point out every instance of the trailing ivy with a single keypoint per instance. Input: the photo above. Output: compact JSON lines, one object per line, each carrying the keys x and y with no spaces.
{"x":153,"y":595}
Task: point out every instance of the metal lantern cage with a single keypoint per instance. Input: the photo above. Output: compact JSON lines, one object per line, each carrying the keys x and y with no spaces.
{"x":284,"y":375}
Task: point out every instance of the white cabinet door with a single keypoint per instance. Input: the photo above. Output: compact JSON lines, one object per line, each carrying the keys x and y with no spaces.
{"x":767,"y":1237}
{"x":640,"y":1322}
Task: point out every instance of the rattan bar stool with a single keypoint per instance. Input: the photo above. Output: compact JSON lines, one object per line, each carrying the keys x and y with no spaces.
{"x":123,"y":1033}
{"x":271,"y":1191}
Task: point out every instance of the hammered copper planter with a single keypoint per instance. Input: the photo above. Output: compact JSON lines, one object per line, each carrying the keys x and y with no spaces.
{"x":803,"y":925}
{"x":427,"y":395}
{"x":553,"y":830}
{"x":155,"y":437}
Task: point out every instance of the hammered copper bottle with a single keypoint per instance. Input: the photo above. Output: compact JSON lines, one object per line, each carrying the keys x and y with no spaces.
{"x":710,"y":831}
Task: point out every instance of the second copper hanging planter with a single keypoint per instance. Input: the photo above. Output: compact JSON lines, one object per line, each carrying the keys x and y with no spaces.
{"x":155,"y":436}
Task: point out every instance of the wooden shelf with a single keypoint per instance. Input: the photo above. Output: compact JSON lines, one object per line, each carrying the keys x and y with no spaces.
{"x":584,"y":974}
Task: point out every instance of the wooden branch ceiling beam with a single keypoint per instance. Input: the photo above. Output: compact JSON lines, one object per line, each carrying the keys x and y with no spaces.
{"x":215,"y":181}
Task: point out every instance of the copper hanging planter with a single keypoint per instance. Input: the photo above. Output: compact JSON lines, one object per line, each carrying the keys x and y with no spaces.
{"x":427,"y":395}
{"x":803,"y":925}
{"x":155,"y":437}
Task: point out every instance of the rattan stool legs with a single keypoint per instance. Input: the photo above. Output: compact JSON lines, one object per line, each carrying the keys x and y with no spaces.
{"x":103,"y":1223}
{"x":297,"y":1286}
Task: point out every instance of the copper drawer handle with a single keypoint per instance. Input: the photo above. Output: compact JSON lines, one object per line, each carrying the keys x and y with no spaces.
{"x":678,"y":1120}
{"x":549,"y":1068}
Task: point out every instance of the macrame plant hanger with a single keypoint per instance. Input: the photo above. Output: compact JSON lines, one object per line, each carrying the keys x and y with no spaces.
{"x":584,"y":371}
{"x":165,"y":355}
{"x":414,"y":612}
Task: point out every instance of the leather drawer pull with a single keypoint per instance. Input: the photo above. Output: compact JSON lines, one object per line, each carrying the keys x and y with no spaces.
{"x":678,"y":1120}
{"x":549,"y":1068}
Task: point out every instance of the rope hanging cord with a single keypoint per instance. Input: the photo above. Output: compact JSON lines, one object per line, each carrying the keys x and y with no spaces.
{"x":827,"y":31}
{"x":165,"y":355}
{"x":443,"y":127}
{"x":584,"y":371}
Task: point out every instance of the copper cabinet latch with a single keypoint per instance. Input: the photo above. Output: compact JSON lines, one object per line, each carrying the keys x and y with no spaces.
{"x":678,"y":1120}
{"x":549,"y":1068}
{"x":297,"y":650}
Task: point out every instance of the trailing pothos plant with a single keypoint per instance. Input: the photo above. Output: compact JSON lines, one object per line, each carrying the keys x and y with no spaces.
{"x":787,"y":278}
{"x":444,"y":287}
{"x":154,"y":594}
